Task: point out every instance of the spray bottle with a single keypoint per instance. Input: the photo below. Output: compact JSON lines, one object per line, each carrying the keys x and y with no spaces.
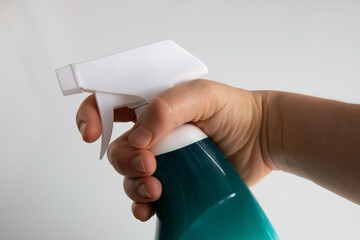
{"x":203,"y":196}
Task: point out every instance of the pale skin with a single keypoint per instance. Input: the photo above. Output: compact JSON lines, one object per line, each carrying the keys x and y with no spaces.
{"x":258,"y":131}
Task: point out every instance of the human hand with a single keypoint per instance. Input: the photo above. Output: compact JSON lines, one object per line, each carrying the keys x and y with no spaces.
{"x":232,"y":117}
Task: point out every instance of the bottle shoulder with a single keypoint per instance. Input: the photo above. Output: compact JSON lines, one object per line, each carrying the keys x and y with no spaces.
{"x":180,"y":137}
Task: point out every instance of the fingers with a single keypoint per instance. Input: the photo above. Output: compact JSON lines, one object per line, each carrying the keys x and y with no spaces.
{"x":128,"y":161}
{"x":142,"y":211}
{"x":137,"y":166}
{"x":144,"y":190}
{"x":191,"y":101}
{"x":88,"y":118}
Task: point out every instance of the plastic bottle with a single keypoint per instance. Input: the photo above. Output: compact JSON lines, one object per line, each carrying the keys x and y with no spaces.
{"x":203,"y":196}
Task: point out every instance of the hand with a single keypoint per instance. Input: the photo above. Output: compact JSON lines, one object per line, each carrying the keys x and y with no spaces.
{"x":232,"y":117}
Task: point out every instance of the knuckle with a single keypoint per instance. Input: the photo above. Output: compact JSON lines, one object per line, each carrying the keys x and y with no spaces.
{"x":112,"y":152}
{"x":115,"y":156}
{"x":128,"y":186}
{"x":202,"y":84}
{"x":160,"y":108}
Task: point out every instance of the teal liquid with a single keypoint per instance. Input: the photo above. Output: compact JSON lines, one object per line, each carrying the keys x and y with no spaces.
{"x":235,"y":217}
{"x":205,"y":198}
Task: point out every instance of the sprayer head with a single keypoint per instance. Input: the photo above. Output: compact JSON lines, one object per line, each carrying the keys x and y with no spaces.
{"x":130,"y":78}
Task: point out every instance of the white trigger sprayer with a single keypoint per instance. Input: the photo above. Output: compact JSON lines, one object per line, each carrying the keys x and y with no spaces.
{"x":130,"y":78}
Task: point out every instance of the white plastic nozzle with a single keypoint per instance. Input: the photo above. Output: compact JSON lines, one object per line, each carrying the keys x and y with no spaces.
{"x":130,"y":78}
{"x":67,"y":80}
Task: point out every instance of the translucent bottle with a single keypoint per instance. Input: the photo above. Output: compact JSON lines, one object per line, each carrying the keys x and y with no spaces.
{"x":203,"y":196}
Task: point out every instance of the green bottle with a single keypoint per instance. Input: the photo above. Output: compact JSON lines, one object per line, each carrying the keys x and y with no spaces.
{"x":203,"y":195}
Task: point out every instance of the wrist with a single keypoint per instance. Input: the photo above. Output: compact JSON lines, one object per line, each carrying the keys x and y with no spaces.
{"x":271,"y":131}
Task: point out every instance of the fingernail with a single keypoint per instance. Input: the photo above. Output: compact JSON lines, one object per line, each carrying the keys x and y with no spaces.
{"x":142,"y":192}
{"x":138,"y":164}
{"x":140,"y":137}
{"x":82,"y":128}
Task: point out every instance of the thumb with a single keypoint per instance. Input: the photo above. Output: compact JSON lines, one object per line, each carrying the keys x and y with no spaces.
{"x":192,"y":101}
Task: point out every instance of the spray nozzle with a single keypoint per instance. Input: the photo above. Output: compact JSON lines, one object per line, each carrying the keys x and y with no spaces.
{"x":130,"y":78}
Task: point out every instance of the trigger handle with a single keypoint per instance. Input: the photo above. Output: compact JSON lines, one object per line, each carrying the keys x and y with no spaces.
{"x":106,"y":103}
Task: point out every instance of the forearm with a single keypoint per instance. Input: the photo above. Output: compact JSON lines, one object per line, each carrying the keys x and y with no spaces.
{"x":317,"y":139}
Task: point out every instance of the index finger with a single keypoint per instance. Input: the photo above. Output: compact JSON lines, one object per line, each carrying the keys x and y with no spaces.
{"x":88,"y":118}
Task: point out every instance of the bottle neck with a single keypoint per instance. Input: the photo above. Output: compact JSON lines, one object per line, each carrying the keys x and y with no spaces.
{"x":181,"y":136}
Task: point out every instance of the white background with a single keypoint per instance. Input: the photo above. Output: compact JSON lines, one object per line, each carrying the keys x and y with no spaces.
{"x":52,"y":185}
